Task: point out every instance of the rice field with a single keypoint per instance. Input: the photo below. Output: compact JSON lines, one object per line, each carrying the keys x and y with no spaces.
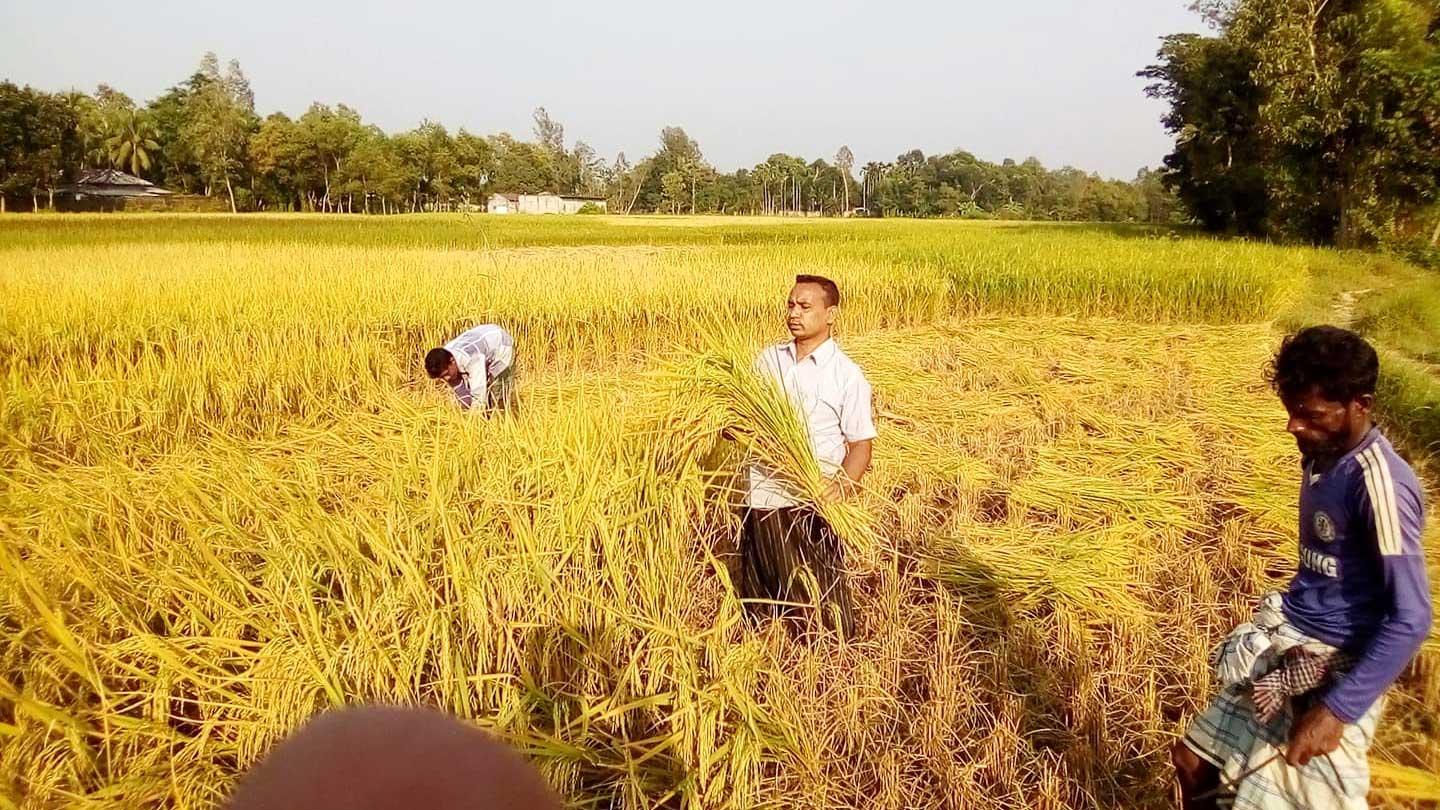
{"x":230,"y":499}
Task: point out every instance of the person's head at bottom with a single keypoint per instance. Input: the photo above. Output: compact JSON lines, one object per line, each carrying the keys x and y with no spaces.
{"x":388,"y":758}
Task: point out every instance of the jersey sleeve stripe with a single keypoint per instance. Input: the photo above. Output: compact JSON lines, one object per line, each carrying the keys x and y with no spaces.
{"x":1381,"y":489}
{"x":1392,"y":495}
{"x":1394,"y":538}
{"x":1372,"y":490}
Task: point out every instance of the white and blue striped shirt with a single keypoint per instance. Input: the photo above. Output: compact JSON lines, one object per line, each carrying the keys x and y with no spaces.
{"x":482,"y":353}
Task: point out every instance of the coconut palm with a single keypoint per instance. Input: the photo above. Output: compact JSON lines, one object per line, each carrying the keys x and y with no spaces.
{"x":131,"y":141}
{"x":766,"y":174}
{"x":871,"y":176}
{"x":90,"y":127}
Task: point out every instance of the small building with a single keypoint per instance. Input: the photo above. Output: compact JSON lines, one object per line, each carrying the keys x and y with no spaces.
{"x":503,"y":204}
{"x":542,"y":203}
{"x":109,"y":185}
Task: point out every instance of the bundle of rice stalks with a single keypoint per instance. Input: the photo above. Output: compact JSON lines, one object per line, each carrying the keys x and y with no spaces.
{"x":719,"y":393}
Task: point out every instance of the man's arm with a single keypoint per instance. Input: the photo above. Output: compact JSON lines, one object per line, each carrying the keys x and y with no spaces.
{"x":854,"y":467}
{"x":463,"y":395}
{"x":858,"y":426}
{"x":1399,"y":637}
{"x":1394,"y":516}
{"x":1391,"y":505}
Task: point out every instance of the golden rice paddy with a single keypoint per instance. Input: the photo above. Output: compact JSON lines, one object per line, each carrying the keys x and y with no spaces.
{"x":229,"y":499}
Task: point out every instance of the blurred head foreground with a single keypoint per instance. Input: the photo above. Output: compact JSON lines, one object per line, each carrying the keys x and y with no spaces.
{"x":389,"y":758}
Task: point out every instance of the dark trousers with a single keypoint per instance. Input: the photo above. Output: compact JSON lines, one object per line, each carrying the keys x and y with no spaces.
{"x":792,"y":555}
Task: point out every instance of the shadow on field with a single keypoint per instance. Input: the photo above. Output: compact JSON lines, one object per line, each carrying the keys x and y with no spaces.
{"x":1031,"y":662}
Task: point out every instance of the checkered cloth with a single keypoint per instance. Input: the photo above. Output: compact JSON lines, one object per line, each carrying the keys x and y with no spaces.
{"x":1300,"y":672}
{"x":1230,"y":734}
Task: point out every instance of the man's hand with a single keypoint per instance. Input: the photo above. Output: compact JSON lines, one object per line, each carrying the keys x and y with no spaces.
{"x":838,"y":487}
{"x":1316,"y":732}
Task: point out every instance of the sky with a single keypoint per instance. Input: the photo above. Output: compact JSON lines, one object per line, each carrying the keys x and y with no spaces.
{"x":1053,"y":79}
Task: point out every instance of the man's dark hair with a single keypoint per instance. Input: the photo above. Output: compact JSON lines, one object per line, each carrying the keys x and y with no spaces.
{"x":436,"y":361}
{"x":1336,"y":362}
{"x":832,"y":292}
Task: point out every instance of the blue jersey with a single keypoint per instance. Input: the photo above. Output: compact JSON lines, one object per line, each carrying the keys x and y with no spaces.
{"x":1361,"y":584}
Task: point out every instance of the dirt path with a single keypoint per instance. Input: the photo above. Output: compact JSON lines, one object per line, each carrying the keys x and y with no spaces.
{"x":1344,"y":308}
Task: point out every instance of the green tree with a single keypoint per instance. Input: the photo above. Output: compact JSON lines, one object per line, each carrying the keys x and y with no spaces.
{"x":39,"y":142}
{"x":673,"y":186}
{"x":15,"y":111}
{"x":519,"y":167}
{"x":1158,"y":203}
{"x":379,"y":171}
{"x":428,"y":153}
{"x":91,"y":128}
{"x":474,"y":163}
{"x":330,"y":135}
{"x":732,"y":193}
{"x":1315,"y":117}
{"x":278,"y":161}
{"x":170,"y":112}
{"x":871,"y":177}
{"x":767,"y":176}
{"x":592,"y":175}
{"x":678,"y":153}
{"x":626,"y":182}
{"x":219,"y":117}
{"x":1218,"y":165}
{"x":1369,"y":125}
{"x":785,"y":179}
{"x":564,"y":167}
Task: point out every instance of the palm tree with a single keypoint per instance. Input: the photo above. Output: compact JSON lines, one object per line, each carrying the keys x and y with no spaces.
{"x":131,"y":141}
{"x":765,"y":173}
{"x":872,"y":174}
{"x":90,"y":126}
{"x":844,"y":159}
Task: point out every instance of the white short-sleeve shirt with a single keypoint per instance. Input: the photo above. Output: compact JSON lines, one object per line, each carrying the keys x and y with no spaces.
{"x":832,"y":396}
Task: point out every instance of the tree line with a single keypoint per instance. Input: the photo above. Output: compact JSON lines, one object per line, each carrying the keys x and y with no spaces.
{"x":204,"y":137}
{"x":1310,"y":120}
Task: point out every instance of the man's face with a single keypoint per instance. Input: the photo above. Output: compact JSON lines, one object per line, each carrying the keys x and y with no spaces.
{"x":1324,"y":428}
{"x":808,"y":313}
{"x":451,"y":374}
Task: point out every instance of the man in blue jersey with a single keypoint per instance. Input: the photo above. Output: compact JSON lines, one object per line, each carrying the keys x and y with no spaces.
{"x":1302,"y":683}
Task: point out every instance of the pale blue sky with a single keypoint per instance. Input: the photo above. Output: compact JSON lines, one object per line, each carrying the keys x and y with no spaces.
{"x":1049,"y":78}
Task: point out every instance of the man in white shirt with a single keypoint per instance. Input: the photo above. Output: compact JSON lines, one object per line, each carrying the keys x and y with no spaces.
{"x":479,"y":364}
{"x":785,"y":543}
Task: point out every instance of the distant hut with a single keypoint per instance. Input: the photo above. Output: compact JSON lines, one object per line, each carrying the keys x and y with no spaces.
{"x":542,"y":203}
{"x":107,"y":190}
{"x":503,"y":203}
